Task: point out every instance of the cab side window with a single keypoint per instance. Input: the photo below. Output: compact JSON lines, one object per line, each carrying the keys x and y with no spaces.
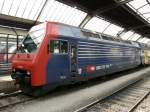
{"x":58,"y":46}
{"x":63,"y":47}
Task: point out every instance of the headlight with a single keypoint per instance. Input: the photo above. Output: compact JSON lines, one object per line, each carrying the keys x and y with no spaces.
{"x":28,"y":73}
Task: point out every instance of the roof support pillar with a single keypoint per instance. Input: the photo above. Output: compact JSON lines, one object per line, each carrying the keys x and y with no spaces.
{"x":121,"y":33}
{"x":40,"y":12}
{"x":139,"y":38}
{"x":85,"y":21}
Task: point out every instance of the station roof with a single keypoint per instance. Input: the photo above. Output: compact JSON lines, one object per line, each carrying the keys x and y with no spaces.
{"x":128,"y":19}
{"x":117,"y":11}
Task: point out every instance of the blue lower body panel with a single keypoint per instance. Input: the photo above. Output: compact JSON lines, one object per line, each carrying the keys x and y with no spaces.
{"x":57,"y":69}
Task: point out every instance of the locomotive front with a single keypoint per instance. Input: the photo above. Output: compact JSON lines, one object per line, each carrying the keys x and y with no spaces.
{"x":26,"y":64}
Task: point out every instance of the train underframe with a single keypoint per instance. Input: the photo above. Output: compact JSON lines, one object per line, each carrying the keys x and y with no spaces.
{"x":23,"y":80}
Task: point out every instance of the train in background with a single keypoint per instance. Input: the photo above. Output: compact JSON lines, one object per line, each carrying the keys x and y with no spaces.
{"x":5,"y":59}
{"x":9,"y":38}
{"x":145,"y":54}
{"x":54,"y":54}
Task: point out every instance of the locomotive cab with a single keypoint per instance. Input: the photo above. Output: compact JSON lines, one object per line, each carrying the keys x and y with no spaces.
{"x":24,"y":61}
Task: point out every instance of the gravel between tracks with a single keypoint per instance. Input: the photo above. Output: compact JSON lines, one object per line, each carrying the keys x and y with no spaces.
{"x":144,"y":106}
{"x":125,"y":100}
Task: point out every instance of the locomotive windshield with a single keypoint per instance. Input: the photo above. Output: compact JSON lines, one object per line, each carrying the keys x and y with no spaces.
{"x":33,"y":39}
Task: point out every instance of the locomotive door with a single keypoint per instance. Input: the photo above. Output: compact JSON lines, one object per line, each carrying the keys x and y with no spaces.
{"x":73,"y":58}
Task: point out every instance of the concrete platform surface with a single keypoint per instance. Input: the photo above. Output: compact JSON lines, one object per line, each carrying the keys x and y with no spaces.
{"x":6,"y":84}
{"x":71,"y":101}
{"x":5,"y":78}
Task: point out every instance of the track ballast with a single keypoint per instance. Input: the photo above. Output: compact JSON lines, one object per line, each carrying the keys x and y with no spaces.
{"x":13,"y":99}
{"x":125,"y":100}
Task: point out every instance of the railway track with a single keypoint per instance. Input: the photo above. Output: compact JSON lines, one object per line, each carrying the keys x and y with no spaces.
{"x":3,"y":95}
{"x":8,"y":100}
{"x":125,"y":100}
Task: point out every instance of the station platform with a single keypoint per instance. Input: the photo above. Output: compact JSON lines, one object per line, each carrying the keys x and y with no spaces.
{"x":6,"y":84}
{"x":5,"y":78}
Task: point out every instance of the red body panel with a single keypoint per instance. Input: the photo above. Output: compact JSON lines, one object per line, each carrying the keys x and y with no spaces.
{"x":22,"y":61}
{"x":36,"y":63}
